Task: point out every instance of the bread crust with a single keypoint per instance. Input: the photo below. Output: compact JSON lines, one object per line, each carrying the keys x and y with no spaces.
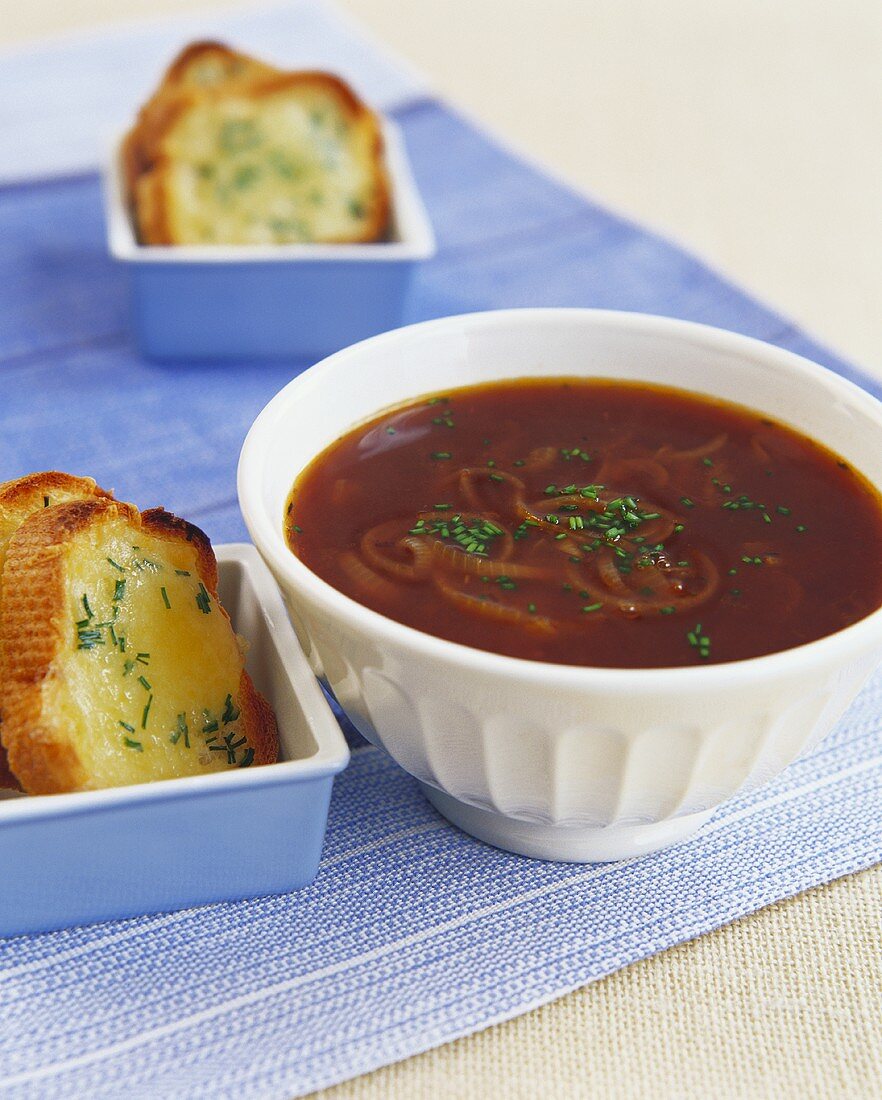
{"x":165,"y":525}
{"x":41,"y":755}
{"x":139,"y":144}
{"x":21,"y":490}
{"x":19,"y":499}
{"x":152,"y":189}
{"x":30,"y":637}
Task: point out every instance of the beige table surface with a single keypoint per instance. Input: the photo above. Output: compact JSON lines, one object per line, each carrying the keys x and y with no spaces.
{"x":751,"y":131}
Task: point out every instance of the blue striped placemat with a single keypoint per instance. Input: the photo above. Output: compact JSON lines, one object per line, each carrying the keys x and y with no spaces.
{"x":413,"y":934}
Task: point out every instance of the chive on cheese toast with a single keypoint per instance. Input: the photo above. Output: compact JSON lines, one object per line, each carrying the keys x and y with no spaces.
{"x":200,"y":66}
{"x":119,"y":665}
{"x":20,"y":499}
{"x":286,"y":159}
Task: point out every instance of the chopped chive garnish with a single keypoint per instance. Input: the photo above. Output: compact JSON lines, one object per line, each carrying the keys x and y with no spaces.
{"x":247,"y":758}
{"x":87,"y":609}
{"x":699,"y":641}
{"x":592,"y":607}
{"x":165,"y":598}
{"x":130,"y":744}
{"x":126,"y":726}
{"x":181,"y":731}
{"x":143,"y":658}
{"x":390,"y":431}
{"x":182,"y":572}
{"x":145,"y":683}
{"x":440,"y":455}
{"x":667,"y":610}
{"x":146,"y":712}
{"x":203,"y":600}
{"x":231,"y":711}
{"x":116,"y":565}
{"x":531,"y":607}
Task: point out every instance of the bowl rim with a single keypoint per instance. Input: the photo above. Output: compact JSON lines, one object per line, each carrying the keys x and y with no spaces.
{"x":415,"y":238}
{"x":844,"y":644}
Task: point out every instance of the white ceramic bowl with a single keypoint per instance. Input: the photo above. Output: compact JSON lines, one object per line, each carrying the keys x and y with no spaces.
{"x":548,"y":760}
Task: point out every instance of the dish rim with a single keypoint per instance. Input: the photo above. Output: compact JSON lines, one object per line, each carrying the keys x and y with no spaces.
{"x":269,"y":537}
{"x":415,"y":239}
{"x":331,"y":754}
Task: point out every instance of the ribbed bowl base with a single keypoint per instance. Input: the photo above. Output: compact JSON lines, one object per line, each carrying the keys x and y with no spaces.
{"x":564,"y":843}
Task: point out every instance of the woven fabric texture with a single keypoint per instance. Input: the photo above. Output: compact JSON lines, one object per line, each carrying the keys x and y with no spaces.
{"x":783,"y":1003}
{"x":413,"y":934}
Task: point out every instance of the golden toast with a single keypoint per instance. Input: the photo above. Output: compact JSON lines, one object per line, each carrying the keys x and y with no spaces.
{"x":20,"y":499}
{"x":198,"y":67}
{"x":119,"y":665}
{"x":286,"y":159}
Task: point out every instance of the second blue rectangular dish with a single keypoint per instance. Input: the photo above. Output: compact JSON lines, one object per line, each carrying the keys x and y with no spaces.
{"x":270,"y":301}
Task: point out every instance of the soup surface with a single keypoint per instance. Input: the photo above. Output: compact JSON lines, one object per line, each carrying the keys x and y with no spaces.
{"x":592,"y":523}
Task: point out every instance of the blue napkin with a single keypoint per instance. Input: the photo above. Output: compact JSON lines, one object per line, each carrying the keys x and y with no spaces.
{"x":413,"y":933}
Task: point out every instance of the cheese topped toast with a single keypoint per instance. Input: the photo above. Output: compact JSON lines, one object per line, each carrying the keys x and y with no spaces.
{"x":294,"y":158}
{"x":119,"y":664}
{"x":200,"y":66}
{"x":18,"y":500}
{"x":26,"y":495}
{"x":208,"y":64}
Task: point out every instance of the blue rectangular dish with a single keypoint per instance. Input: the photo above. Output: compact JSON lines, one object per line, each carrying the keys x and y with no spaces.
{"x":269,"y":301}
{"x":102,"y":855}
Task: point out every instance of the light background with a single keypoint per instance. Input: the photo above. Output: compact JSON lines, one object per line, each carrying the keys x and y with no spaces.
{"x":747,"y":129}
{"x":750,"y":131}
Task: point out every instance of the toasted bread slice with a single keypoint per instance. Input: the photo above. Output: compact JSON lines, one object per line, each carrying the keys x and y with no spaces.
{"x":209,"y":64}
{"x":18,"y":500}
{"x":200,"y":66}
{"x":120,"y":666}
{"x":295,"y":158}
{"x":34,"y":492}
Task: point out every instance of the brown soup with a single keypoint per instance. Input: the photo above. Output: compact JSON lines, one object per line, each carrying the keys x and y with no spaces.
{"x":592,"y":523}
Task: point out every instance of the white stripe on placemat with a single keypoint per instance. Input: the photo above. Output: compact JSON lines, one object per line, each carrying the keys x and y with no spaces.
{"x":246,"y":999}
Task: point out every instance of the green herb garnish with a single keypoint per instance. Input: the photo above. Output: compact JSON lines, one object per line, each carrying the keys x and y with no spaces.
{"x":231,"y":711}
{"x":700,"y":641}
{"x":203,"y":600}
